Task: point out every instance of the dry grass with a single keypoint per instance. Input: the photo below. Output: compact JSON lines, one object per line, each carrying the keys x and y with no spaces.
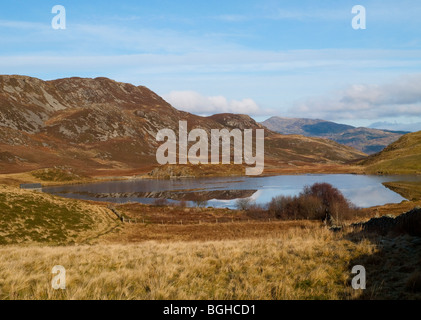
{"x":34,"y":217}
{"x":206,"y":232}
{"x":231,"y":260}
{"x":401,"y":157}
{"x":165,"y":214}
{"x":408,"y":189}
{"x":38,"y":176}
{"x":299,"y":264}
{"x":394,"y":209}
{"x":393,"y":271}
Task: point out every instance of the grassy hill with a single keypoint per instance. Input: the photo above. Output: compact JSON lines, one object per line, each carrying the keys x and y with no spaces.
{"x":401,"y":157}
{"x":32,"y":217}
{"x":410,"y":190}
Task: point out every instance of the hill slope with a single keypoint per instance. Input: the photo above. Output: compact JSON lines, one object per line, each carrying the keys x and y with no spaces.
{"x":401,"y":157}
{"x":365,"y":139}
{"x":31,"y":217}
{"x":100,"y":126}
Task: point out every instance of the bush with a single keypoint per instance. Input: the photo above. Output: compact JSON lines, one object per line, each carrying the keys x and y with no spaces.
{"x":256,"y":211}
{"x":320,"y":201}
{"x":280,"y":207}
{"x":334,"y":205}
{"x":200,"y":203}
{"x":301,"y":207}
{"x":199,"y":200}
{"x":244,"y":203}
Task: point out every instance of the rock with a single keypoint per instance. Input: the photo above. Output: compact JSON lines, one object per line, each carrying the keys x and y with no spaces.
{"x":406,"y":223}
{"x":380,"y":225}
{"x":409,"y":223}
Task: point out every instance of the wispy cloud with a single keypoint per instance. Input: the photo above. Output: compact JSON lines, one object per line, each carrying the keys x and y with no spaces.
{"x":194,"y":102}
{"x":401,"y":98}
{"x":233,"y":17}
{"x":110,"y":37}
{"x":15,"y":24}
{"x":309,"y":14}
{"x":397,"y":126}
{"x":228,"y":61}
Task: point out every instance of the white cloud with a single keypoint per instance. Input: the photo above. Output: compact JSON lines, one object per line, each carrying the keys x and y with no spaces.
{"x":196,"y":103}
{"x":225,"y":61}
{"x":401,"y":98}
{"x":308,"y":14}
{"x":396,"y":126}
{"x":23,"y":25}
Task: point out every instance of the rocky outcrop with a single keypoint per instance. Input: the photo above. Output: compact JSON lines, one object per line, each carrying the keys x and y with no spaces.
{"x":407,"y":223}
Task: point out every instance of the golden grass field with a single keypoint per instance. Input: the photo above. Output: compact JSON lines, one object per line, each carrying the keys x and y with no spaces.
{"x":247,"y":259}
{"x":309,"y":263}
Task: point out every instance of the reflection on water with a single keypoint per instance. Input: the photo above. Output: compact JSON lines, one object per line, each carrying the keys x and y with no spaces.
{"x":179,"y":195}
{"x":363,"y":191}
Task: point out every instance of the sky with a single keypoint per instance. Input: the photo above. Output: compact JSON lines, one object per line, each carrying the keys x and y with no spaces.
{"x":264,"y":58}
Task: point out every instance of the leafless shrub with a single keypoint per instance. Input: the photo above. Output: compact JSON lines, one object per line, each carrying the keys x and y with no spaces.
{"x":256,"y":211}
{"x":244,"y":203}
{"x":199,"y":201}
{"x":320,"y":201}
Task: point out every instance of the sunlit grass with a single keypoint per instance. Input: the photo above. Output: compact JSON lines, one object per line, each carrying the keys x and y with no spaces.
{"x":300,"y":264}
{"x":33,"y":217}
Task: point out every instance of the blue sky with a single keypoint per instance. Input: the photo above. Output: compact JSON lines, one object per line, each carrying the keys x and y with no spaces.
{"x":263,"y":58}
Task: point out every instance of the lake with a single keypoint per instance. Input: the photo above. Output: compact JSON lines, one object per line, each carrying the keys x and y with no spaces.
{"x":362,"y":190}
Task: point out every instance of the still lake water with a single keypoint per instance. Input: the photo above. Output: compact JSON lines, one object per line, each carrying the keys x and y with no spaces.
{"x":362,"y":190}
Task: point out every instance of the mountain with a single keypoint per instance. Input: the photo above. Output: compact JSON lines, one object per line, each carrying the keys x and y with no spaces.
{"x":103,"y":127}
{"x":401,"y":157}
{"x":367,"y":140}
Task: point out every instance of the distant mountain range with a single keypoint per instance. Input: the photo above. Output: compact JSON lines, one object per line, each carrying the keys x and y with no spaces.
{"x":103,"y":127}
{"x":367,"y":140}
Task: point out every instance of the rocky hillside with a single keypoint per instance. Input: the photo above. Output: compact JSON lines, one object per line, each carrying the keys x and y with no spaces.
{"x":367,"y":140}
{"x":100,"y":126}
{"x":401,"y":157}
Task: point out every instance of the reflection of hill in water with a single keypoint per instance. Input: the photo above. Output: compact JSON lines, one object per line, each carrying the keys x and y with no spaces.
{"x":173,"y":195}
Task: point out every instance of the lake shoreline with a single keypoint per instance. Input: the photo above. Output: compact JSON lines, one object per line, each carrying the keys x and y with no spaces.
{"x":15,"y":179}
{"x":223,"y":192}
